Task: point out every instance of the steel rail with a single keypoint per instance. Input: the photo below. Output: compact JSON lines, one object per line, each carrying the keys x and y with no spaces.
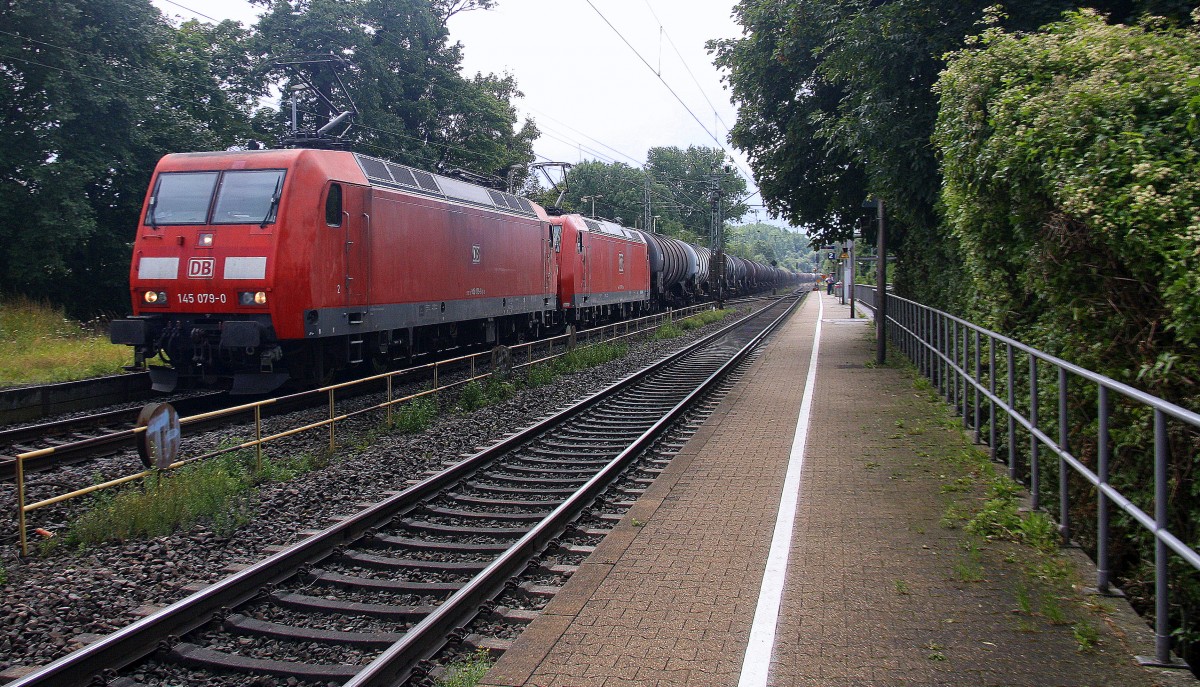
{"x":132,"y":643}
{"x":421,"y":642}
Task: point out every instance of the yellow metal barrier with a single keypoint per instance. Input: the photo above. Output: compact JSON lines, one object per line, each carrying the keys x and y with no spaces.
{"x":23,"y":509}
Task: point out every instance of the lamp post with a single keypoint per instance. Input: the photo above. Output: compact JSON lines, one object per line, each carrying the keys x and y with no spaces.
{"x":593,"y":199}
{"x":880,"y":283}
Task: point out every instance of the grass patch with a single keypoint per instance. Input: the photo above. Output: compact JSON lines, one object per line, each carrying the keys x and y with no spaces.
{"x":1086,"y":636}
{"x":475,"y":395}
{"x":971,"y":568}
{"x":700,"y":319}
{"x":414,"y":416}
{"x":39,"y":344}
{"x":467,"y":671}
{"x":667,"y":331}
{"x":166,"y":502}
{"x":580,"y":358}
{"x":677,"y":328}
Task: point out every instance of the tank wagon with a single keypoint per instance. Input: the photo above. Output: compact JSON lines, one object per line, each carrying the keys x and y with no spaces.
{"x":252,"y":268}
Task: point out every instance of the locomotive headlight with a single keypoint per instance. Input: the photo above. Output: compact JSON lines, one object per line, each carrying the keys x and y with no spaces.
{"x":155,"y":297}
{"x":252,"y":297}
{"x":205,"y":241}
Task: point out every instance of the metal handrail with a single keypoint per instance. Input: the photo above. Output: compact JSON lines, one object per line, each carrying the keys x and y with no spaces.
{"x":630,"y":327}
{"x":944,"y":346}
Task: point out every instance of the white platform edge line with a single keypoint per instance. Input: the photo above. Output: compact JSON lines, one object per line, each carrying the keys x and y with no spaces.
{"x":757,"y":664}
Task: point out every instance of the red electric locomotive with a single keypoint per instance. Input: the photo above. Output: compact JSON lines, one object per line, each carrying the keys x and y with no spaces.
{"x":604,"y":270}
{"x":254,"y":267}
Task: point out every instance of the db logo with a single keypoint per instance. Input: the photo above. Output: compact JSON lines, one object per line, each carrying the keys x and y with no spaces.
{"x":201,"y":268}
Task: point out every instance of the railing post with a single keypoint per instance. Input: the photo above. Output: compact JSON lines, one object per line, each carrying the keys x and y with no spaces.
{"x":21,"y":506}
{"x":923,"y":314}
{"x":941,"y":345}
{"x":331,"y":423}
{"x":1011,"y":358}
{"x":1162,"y":633}
{"x":978,"y":381}
{"x":1102,"y":456}
{"x":389,"y":392}
{"x":258,"y":438}
{"x":1035,"y":482}
{"x":952,"y":353}
{"x":1064,"y":511}
{"x":991,"y":399}
{"x":962,"y":365}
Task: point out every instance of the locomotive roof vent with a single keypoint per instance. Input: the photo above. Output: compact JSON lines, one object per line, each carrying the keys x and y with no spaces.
{"x":386,"y":173}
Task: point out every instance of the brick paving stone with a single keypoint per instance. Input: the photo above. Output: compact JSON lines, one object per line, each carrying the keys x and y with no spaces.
{"x":873,"y":594}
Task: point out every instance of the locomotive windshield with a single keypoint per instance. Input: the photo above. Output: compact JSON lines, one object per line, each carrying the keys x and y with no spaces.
{"x":248,"y":196}
{"x":242,"y":197}
{"x":181,"y":198}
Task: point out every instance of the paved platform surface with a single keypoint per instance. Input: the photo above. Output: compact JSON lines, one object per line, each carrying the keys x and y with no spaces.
{"x":883,"y":586}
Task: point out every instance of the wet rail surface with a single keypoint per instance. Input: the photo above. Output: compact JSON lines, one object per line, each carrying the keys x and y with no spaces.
{"x":371,"y":599}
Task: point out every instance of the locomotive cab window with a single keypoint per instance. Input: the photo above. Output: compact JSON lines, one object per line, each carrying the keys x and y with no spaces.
{"x":579,"y":248}
{"x":333,"y":206}
{"x":248,"y":196}
{"x":556,"y":238}
{"x":181,"y":198}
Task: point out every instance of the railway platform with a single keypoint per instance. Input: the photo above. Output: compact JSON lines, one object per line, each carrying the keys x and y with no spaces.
{"x":881,"y":583}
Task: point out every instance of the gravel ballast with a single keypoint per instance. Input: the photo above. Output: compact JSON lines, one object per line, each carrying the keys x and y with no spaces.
{"x":51,"y":598}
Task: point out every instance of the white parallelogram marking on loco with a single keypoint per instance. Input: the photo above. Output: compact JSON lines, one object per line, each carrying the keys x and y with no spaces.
{"x":245,"y":268}
{"x":158,"y":268}
{"x":757,"y":664}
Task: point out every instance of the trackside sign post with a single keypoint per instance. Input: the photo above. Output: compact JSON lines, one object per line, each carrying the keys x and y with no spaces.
{"x":158,"y":446}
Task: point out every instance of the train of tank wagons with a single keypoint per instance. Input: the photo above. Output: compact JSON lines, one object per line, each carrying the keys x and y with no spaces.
{"x":253,"y":268}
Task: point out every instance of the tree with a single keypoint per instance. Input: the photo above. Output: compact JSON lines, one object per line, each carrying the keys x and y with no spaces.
{"x":771,"y":245}
{"x":836,"y":104}
{"x":395,"y":59}
{"x":1076,"y":204}
{"x":94,"y":92}
{"x":618,"y":190}
{"x":682,"y":187}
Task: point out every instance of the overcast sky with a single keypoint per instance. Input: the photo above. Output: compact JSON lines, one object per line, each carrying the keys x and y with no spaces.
{"x":590,"y":93}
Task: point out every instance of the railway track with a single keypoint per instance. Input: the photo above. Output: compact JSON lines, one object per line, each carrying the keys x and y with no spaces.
{"x":371,"y":599}
{"x":78,"y":439}
{"x":81,"y":438}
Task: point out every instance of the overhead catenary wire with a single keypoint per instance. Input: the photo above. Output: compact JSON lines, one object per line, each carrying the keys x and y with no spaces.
{"x":711,"y":135}
{"x":662,"y":29}
{"x":385,"y":34}
{"x":669,"y":201}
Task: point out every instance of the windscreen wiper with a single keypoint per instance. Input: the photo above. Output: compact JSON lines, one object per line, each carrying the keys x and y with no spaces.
{"x":274,"y":203}
{"x":150,"y":212}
